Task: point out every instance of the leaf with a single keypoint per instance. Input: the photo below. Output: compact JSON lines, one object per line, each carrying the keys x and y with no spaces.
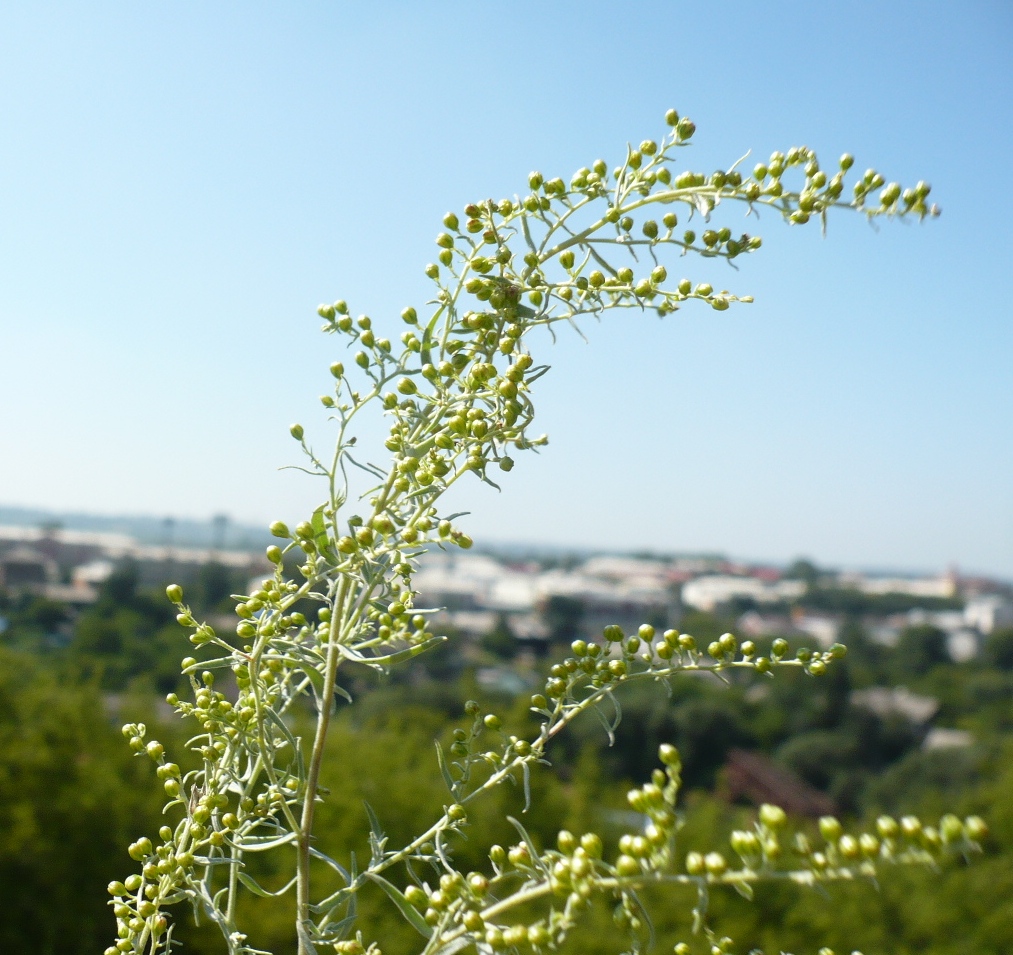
{"x":377,"y":838}
{"x":340,"y":929}
{"x":320,"y":536}
{"x":532,"y":851}
{"x":447,"y":778}
{"x":253,"y":844}
{"x":526,"y":771}
{"x":333,"y":863}
{"x":610,"y":725}
{"x":258,"y":889}
{"x":745,"y":889}
{"x":404,"y":906}
{"x":406,"y":654}
{"x":455,"y":945}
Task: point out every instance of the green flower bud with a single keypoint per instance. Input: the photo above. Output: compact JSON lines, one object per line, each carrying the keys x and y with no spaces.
{"x":175,"y":593}
{"x":773,"y":817}
{"x":830,"y":828}
{"x":566,"y":258}
{"x":296,"y":431}
{"x":627,"y":866}
{"x":976,"y":828}
{"x":869,"y":844}
{"x":668,"y":754}
{"x":140,"y":849}
{"x":951,"y":828}
{"x":695,"y":864}
{"x":650,"y":229}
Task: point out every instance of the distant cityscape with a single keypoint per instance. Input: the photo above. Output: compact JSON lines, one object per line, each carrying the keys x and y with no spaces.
{"x":66,"y":558}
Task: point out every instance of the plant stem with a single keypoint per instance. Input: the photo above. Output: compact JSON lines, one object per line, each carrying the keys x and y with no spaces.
{"x":313,"y":773}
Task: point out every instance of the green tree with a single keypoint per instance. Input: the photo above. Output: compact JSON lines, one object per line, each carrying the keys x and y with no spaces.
{"x":999,"y":648}
{"x":920,"y":648}
{"x":501,"y":641}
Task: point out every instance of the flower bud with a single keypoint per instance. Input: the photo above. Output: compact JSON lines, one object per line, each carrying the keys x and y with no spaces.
{"x":976,"y":828}
{"x":296,"y":431}
{"x":715,"y":863}
{"x":773,"y":817}
{"x":668,"y":754}
{"x":140,"y":849}
{"x":175,"y":593}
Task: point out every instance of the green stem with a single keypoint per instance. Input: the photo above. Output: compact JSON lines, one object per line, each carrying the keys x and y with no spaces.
{"x":313,"y":774}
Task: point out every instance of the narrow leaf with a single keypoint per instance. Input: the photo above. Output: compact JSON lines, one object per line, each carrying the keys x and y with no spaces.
{"x":404,"y":906}
{"x":745,"y":889}
{"x":532,"y":851}
{"x":454,"y":946}
{"x":603,"y":719}
{"x":258,"y":889}
{"x":447,"y":778}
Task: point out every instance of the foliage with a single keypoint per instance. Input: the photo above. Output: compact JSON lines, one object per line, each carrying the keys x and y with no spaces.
{"x":251,"y":819}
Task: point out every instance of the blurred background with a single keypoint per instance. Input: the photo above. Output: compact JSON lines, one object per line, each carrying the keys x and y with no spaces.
{"x":180,"y":185}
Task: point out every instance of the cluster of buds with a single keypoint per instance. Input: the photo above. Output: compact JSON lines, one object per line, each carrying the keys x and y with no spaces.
{"x":618,"y":657}
{"x":654,"y":847}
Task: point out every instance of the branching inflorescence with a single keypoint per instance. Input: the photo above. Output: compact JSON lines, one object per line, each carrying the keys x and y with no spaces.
{"x":458,"y":399}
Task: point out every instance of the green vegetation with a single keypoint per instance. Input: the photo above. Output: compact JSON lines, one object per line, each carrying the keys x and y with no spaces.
{"x":71,"y":796}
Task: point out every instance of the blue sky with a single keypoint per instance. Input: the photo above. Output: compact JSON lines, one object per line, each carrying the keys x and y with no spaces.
{"x":181,"y":184}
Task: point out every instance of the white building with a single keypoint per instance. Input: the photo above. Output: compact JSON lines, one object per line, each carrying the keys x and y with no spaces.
{"x":706,"y":593}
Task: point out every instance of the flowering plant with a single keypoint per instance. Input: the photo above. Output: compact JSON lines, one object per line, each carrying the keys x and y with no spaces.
{"x":458,"y":399}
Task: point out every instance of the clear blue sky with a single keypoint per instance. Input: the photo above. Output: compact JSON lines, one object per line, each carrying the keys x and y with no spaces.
{"x":181,"y":183}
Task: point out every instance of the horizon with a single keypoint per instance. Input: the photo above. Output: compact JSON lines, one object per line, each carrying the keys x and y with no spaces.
{"x":499,"y":548}
{"x":181,"y":186}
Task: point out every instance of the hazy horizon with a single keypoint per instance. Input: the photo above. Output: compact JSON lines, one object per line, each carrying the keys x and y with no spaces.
{"x":181,"y":185}
{"x":191,"y":529}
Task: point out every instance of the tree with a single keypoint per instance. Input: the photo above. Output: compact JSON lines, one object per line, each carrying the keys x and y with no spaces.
{"x":922,"y":647}
{"x":501,"y":641}
{"x":999,"y":648}
{"x":458,"y":403}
